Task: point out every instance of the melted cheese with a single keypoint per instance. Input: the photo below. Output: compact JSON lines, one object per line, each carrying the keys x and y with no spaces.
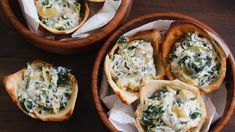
{"x":132,"y":64}
{"x":59,"y":14}
{"x":44,"y":89}
{"x":167,"y":111}
{"x":195,"y":61}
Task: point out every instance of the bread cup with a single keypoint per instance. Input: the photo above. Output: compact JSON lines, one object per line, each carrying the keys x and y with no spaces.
{"x":84,"y":14}
{"x":12,"y":83}
{"x":152,"y":36}
{"x":150,"y":90}
{"x":176,"y":34}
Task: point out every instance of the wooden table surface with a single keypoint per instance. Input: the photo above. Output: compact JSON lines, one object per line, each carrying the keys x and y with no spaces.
{"x":16,"y":51}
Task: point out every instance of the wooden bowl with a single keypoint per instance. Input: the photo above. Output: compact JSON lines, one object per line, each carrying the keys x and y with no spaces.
{"x":12,"y":11}
{"x":98,"y":67}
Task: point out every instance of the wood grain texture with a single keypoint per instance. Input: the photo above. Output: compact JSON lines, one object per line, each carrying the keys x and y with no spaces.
{"x":16,"y":51}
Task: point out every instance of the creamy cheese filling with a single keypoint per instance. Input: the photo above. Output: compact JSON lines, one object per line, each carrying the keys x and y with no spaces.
{"x":195,"y":61}
{"x":171,"y":110}
{"x":44,"y":89}
{"x":132,"y":64}
{"x":59,"y":14}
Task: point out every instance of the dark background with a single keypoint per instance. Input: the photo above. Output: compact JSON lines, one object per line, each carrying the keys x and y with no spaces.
{"x":15,"y":51}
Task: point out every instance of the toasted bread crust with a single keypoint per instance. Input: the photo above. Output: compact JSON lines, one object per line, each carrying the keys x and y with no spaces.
{"x":149,"y":35}
{"x":176,"y":32}
{"x":68,"y":31}
{"x":11,"y":85}
{"x":151,"y":86}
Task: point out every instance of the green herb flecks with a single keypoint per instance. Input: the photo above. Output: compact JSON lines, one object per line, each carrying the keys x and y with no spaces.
{"x":122,"y":39}
{"x":63,"y":76}
{"x":159,"y":94}
{"x":27,"y":105}
{"x":172,"y":57}
{"x":183,"y":60}
{"x":152,"y":117}
{"x":127,"y":67}
{"x":132,"y":47}
{"x":194,"y":115}
{"x":47,"y":3}
{"x":77,"y":7}
{"x":64,"y":17}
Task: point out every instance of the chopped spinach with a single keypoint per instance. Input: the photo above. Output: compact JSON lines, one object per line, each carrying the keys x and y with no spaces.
{"x":152,"y":116}
{"x":60,"y":28}
{"x":46,"y":21}
{"x":194,"y":115}
{"x":77,"y":7}
{"x":125,"y":64}
{"x":132,"y":47}
{"x":208,"y":61}
{"x":64,"y":17}
{"x":68,"y":23}
{"x":67,"y":95}
{"x":122,"y":39}
{"x":47,"y":3}
{"x":159,"y":94}
{"x":47,"y":109}
{"x":197,"y":68}
{"x":63,"y":76}
{"x":76,"y":3}
{"x":26,"y":104}
{"x":216,"y":67}
{"x":68,"y":5}
{"x":63,"y":105}
{"x":211,"y":72}
{"x":172,"y":57}
{"x":22,"y":105}
{"x":183,"y":122}
{"x":204,"y":44}
{"x":182,"y":61}
{"x":179,"y":101}
{"x":50,"y":86}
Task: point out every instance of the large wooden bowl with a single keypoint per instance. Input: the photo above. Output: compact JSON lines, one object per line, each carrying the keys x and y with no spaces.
{"x":98,"y":67}
{"x":14,"y":16}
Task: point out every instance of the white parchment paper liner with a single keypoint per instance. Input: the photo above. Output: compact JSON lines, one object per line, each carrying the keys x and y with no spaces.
{"x":95,"y":22}
{"x":122,"y":116}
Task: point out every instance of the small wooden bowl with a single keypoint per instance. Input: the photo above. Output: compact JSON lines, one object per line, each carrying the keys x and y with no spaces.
{"x":98,"y":67}
{"x":11,"y":10}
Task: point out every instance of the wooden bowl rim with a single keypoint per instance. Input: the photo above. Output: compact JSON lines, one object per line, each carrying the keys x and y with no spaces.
{"x":103,"y":51}
{"x":68,"y":44}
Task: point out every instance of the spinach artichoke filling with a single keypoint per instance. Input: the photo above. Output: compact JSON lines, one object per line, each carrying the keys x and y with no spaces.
{"x":59,"y":14}
{"x":171,"y":110}
{"x":44,"y":89}
{"x":132,"y":64}
{"x":195,"y":61}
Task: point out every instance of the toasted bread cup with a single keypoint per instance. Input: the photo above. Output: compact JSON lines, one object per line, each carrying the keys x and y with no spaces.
{"x":84,"y":13}
{"x":11,"y":84}
{"x":152,"y":36}
{"x":175,"y":33}
{"x":151,"y":87}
